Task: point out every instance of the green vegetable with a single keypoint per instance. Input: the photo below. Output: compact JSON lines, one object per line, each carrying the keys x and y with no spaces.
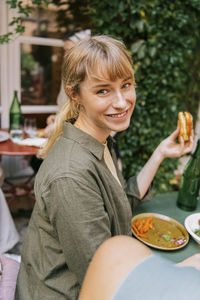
{"x":166,"y":237}
{"x":197,"y":232}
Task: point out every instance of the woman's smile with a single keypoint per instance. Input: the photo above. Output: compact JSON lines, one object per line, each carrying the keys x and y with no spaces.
{"x":118,"y":115}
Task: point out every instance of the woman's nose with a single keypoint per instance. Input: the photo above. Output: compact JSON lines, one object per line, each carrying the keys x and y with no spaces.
{"x":119,"y":101}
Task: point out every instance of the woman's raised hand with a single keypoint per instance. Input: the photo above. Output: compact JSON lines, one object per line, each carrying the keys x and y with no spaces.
{"x":170,"y":148}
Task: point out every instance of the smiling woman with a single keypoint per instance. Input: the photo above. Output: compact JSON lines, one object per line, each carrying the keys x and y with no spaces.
{"x":99,"y":68}
{"x":81,"y":197}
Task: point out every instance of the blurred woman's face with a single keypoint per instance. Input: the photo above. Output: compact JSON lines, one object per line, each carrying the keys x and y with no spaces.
{"x":68,"y":44}
{"x":106,"y":105}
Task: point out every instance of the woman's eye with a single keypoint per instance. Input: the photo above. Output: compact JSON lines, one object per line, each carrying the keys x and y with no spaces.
{"x":102,"y":92}
{"x":126,"y":85}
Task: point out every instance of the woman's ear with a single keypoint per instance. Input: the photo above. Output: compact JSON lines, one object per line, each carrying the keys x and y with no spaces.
{"x":71,"y":93}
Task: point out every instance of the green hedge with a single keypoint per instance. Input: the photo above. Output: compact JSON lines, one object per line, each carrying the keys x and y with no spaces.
{"x":164,"y":38}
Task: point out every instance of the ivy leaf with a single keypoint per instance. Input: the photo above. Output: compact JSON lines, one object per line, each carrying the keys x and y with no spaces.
{"x":140,"y":25}
{"x":136,"y":46}
{"x":12,"y":3}
{"x":152,"y":51}
{"x":20,"y":29}
{"x":141,"y":51}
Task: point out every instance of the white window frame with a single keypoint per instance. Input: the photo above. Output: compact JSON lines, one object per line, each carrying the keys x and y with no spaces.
{"x":27,"y":109}
{"x":10,"y":68}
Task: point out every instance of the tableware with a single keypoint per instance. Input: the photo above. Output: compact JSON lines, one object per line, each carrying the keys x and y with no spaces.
{"x":168,"y":226}
{"x":4,"y":136}
{"x":30,"y":127}
{"x":191,"y":224}
{"x":16,"y":135}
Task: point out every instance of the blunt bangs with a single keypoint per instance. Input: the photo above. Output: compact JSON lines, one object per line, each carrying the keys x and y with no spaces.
{"x":99,"y":57}
{"x":106,"y":69}
{"x":109,"y":62}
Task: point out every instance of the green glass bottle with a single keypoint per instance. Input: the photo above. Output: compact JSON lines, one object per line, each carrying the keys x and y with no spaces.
{"x":15,"y":118}
{"x":190,"y":182}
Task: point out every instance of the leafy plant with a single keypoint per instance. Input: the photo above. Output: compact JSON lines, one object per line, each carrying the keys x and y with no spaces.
{"x":23,"y":10}
{"x":73,"y":14}
{"x":164,"y":39}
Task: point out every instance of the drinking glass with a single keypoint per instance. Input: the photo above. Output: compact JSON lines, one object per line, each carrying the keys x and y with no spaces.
{"x":30,"y":127}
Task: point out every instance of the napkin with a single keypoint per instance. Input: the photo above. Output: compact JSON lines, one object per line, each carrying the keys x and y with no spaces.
{"x":36,"y":141}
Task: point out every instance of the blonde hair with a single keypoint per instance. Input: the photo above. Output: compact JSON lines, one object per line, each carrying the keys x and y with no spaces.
{"x":100,"y":57}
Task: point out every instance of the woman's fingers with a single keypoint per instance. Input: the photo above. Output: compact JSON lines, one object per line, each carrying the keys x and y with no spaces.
{"x":190,"y":144}
{"x":170,"y":148}
{"x":186,"y":147}
{"x":175,"y":133}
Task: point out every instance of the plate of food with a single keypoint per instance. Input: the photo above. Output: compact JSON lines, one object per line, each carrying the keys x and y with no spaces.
{"x":4,"y":136}
{"x":159,"y":231}
{"x":192,"y":224}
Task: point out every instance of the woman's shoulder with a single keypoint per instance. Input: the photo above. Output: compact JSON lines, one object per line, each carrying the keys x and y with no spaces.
{"x":69,"y":154}
{"x":68,"y":160}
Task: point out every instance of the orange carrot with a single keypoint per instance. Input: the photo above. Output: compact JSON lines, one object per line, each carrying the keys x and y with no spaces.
{"x":135,"y":229}
{"x":142,"y":226}
{"x":144,"y":236}
{"x":138,"y":222}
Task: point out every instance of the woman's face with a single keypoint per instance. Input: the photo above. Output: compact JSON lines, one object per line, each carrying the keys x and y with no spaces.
{"x":106,"y":105}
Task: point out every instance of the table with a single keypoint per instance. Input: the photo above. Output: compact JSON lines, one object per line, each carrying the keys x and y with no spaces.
{"x":11,"y":149}
{"x":166,"y":204}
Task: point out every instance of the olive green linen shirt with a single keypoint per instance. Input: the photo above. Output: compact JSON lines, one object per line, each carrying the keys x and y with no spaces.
{"x":79,"y":204}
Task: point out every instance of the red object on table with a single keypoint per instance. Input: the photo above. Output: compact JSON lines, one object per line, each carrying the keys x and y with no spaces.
{"x":12,"y":149}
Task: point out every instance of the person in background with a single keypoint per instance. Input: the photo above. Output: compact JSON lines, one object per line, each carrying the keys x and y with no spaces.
{"x":8,"y":233}
{"x":81,"y":197}
{"x":70,"y":40}
{"x":124,"y":268}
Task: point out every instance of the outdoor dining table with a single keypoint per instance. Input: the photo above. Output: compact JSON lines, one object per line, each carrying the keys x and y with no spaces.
{"x":165,"y":204}
{"x":10,"y":148}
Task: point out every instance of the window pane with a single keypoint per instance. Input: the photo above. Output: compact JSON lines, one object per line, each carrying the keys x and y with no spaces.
{"x":42,"y":22}
{"x":40,"y":74}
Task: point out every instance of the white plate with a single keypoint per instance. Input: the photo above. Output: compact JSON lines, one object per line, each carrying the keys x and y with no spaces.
{"x":192,"y":223}
{"x":4,"y":136}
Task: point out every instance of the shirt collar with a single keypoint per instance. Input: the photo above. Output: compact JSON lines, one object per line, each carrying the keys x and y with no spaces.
{"x":86,"y":140}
